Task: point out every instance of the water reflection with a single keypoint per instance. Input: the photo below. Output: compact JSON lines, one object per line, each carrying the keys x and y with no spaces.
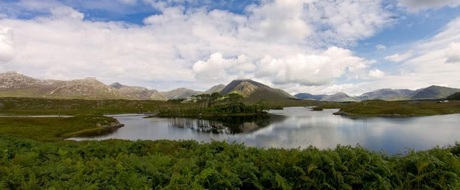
{"x":300,"y":127}
{"x":225,"y":125}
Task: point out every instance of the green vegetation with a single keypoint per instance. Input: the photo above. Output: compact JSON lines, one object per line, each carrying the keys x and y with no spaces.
{"x":42,"y":106}
{"x":34,"y":156}
{"x":213,"y":105}
{"x":56,"y":128}
{"x":395,"y":108}
{"x":118,"y":164}
{"x":455,"y":96}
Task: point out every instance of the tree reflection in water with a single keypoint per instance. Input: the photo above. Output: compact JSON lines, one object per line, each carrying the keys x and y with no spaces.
{"x":224,"y":125}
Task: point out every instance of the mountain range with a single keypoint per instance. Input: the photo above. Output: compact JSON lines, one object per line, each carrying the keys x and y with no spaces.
{"x":431,"y":92}
{"x":13,"y":84}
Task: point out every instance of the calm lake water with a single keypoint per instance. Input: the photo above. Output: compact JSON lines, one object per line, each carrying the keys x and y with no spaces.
{"x":299,"y":127}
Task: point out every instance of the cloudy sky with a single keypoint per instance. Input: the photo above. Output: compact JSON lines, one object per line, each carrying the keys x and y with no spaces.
{"x":315,"y":46}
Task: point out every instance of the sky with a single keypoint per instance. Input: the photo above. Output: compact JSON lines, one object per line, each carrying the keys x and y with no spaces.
{"x":312,"y":46}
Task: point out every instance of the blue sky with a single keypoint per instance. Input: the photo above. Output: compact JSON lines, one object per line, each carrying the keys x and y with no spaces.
{"x":353,"y":46}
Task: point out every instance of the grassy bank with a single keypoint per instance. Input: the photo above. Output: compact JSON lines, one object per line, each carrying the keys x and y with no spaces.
{"x":382,"y":108}
{"x":56,"y":128}
{"x":30,"y":164}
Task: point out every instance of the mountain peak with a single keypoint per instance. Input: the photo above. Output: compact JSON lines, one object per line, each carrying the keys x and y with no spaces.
{"x":117,"y":85}
{"x":254,"y":90}
{"x":434,"y":92}
{"x":17,"y":80}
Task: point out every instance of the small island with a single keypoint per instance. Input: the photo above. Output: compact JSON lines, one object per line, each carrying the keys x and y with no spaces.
{"x":213,"y":105}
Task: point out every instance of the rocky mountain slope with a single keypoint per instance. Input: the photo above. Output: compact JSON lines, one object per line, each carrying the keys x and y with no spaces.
{"x":138,"y":93}
{"x":339,"y":97}
{"x":180,"y":93}
{"x":387,"y":94}
{"x":216,"y":88}
{"x":308,"y":96}
{"x":13,"y":84}
{"x":434,"y":92}
{"x":431,"y":92}
{"x":88,"y":88}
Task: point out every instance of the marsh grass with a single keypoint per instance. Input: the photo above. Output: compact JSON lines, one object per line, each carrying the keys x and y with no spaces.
{"x":53,"y":128}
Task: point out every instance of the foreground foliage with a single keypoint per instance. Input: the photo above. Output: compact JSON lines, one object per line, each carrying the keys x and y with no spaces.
{"x":118,"y":164}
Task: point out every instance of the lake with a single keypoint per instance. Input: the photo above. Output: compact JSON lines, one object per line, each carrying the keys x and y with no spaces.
{"x":299,"y":127}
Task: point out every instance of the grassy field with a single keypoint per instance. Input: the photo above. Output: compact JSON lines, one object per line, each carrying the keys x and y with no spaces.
{"x":41,"y":106}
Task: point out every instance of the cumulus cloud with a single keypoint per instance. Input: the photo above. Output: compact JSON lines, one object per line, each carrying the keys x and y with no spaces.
{"x":279,"y":21}
{"x":6,"y":44}
{"x":417,"y":5}
{"x":376,"y":73}
{"x":345,"y":21}
{"x":312,"y":69}
{"x":277,"y":41}
{"x":218,"y":69}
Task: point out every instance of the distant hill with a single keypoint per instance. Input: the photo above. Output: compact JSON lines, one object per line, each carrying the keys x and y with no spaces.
{"x":180,"y":93}
{"x":339,"y":97}
{"x":431,"y":92}
{"x":216,"y":88}
{"x":88,"y":88}
{"x":13,"y":84}
{"x":307,"y":96}
{"x":138,"y":93}
{"x":387,"y":94}
{"x":455,"y":96}
{"x":434,"y":92}
{"x":253,"y":90}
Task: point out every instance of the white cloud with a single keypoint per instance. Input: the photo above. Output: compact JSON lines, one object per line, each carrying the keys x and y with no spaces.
{"x":399,"y":57}
{"x":453,"y":53}
{"x":219,"y":69}
{"x":66,"y":12}
{"x":380,"y":47}
{"x":376,"y":73}
{"x":417,"y":5}
{"x":279,"y":21}
{"x":274,"y":41}
{"x":312,"y":69}
{"x":7,"y":50}
{"x":428,"y":61}
{"x":345,"y":21}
